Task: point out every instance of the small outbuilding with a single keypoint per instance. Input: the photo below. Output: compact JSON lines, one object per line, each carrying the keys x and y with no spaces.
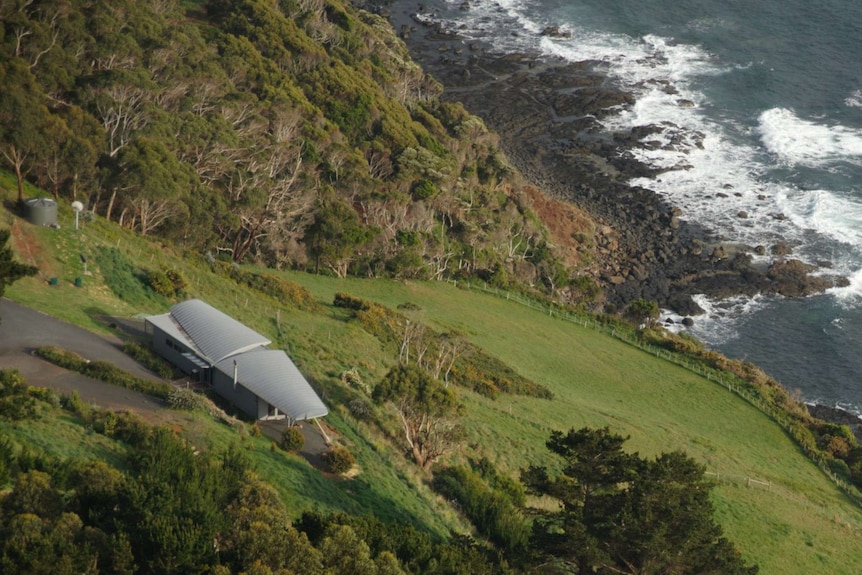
{"x":41,"y":211}
{"x":216,"y":350}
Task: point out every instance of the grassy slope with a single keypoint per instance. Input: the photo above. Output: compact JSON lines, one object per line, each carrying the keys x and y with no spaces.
{"x":802,"y":524}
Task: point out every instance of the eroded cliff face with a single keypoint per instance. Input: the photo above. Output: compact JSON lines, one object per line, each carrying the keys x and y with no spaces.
{"x":548,"y":117}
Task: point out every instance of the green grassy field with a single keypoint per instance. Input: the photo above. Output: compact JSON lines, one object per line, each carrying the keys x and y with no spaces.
{"x":790,"y":519}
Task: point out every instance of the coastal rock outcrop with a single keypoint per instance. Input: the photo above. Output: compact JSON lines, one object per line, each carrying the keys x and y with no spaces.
{"x":547,"y":114}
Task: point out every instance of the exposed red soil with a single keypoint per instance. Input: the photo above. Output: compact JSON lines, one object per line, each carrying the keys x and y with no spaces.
{"x":565,"y":223}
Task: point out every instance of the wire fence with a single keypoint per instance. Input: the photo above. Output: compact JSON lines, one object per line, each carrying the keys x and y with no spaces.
{"x":731,"y":382}
{"x":745,"y":480}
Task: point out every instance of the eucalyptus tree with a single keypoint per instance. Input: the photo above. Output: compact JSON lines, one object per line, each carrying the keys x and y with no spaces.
{"x":427,"y":411}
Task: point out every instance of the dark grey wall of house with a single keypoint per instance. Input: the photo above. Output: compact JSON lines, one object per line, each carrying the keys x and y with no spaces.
{"x":241,"y":397}
{"x":173,"y":350}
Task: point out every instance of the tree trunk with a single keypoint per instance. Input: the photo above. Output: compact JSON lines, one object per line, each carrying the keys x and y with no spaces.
{"x":20,"y":177}
{"x":111,"y":204}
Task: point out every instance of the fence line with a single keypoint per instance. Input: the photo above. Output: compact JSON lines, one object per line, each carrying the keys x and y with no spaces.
{"x":729,"y":381}
{"x":739,"y":480}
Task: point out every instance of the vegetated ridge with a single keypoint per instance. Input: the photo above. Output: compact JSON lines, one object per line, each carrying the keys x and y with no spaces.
{"x":294,"y":134}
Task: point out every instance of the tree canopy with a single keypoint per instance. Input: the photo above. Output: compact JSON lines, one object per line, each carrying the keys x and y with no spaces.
{"x":621,"y":513}
{"x":427,"y":411}
{"x":297,"y":134}
{"x":10,"y":270}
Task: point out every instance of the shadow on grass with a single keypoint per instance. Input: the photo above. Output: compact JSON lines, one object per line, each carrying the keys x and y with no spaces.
{"x":354,"y":496}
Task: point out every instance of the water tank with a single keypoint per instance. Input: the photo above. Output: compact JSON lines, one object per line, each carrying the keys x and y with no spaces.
{"x":42,"y":211}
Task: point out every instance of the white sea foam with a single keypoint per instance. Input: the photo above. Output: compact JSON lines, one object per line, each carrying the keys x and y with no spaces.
{"x":716,"y":173}
{"x":719,"y":322}
{"x":851,"y":295}
{"x":797,"y":141}
{"x":717,"y":170}
{"x":854,"y":100}
{"x":827,"y":213}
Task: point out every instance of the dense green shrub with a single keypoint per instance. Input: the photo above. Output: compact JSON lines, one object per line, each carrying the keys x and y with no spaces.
{"x":167,"y":282}
{"x":149,"y":359}
{"x":186,"y":400}
{"x":492,"y":510}
{"x":16,"y":403}
{"x":283,"y":290}
{"x":160,"y":283}
{"x":359,"y":408}
{"x":339,"y":460}
{"x":292,"y":439}
{"x":347,"y":301}
{"x":424,"y":190}
{"x":76,"y":405}
{"x":44,"y":394}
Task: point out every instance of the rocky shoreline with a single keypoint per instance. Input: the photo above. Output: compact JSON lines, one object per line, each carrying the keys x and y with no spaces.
{"x":548,"y":114}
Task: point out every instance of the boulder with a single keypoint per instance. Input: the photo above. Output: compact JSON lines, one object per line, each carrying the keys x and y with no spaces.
{"x":780,"y":249}
{"x":555,"y":32}
{"x":792,"y":278}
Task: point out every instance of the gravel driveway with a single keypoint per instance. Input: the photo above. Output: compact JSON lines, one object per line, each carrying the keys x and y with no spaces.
{"x":22,"y":330}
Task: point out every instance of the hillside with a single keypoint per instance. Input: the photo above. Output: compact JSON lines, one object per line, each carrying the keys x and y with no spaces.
{"x":293,"y":134}
{"x":263,"y":155}
{"x":780,"y":510}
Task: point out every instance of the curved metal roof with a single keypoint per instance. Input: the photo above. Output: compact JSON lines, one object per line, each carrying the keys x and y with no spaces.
{"x":273,"y":377}
{"x":216,"y":334}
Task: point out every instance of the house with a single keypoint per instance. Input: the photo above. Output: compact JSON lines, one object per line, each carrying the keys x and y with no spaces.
{"x":216,"y":350}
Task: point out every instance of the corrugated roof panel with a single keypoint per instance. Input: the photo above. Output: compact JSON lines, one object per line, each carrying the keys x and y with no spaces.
{"x":273,"y":377}
{"x":215,"y":333}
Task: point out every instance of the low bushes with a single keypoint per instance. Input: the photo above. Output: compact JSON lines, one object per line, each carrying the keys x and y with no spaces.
{"x":292,"y":439}
{"x":16,"y":403}
{"x":103,"y":371}
{"x":489,"y":500}
{"x":167,"y":282}
{"x":339,"y":460}
{"x":149,"y":359}
{"x":283,"y":290}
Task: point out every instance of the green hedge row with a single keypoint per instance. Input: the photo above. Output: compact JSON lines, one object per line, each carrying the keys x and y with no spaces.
{"x":283,"y":290}
{"x":103,"y":371}
{"x":149,"y":359}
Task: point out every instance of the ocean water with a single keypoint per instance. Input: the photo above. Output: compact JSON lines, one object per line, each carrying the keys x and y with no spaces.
{"x":774,"y":90}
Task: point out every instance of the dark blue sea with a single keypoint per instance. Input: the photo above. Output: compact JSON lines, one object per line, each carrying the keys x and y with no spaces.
{"x":774,"y":89}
